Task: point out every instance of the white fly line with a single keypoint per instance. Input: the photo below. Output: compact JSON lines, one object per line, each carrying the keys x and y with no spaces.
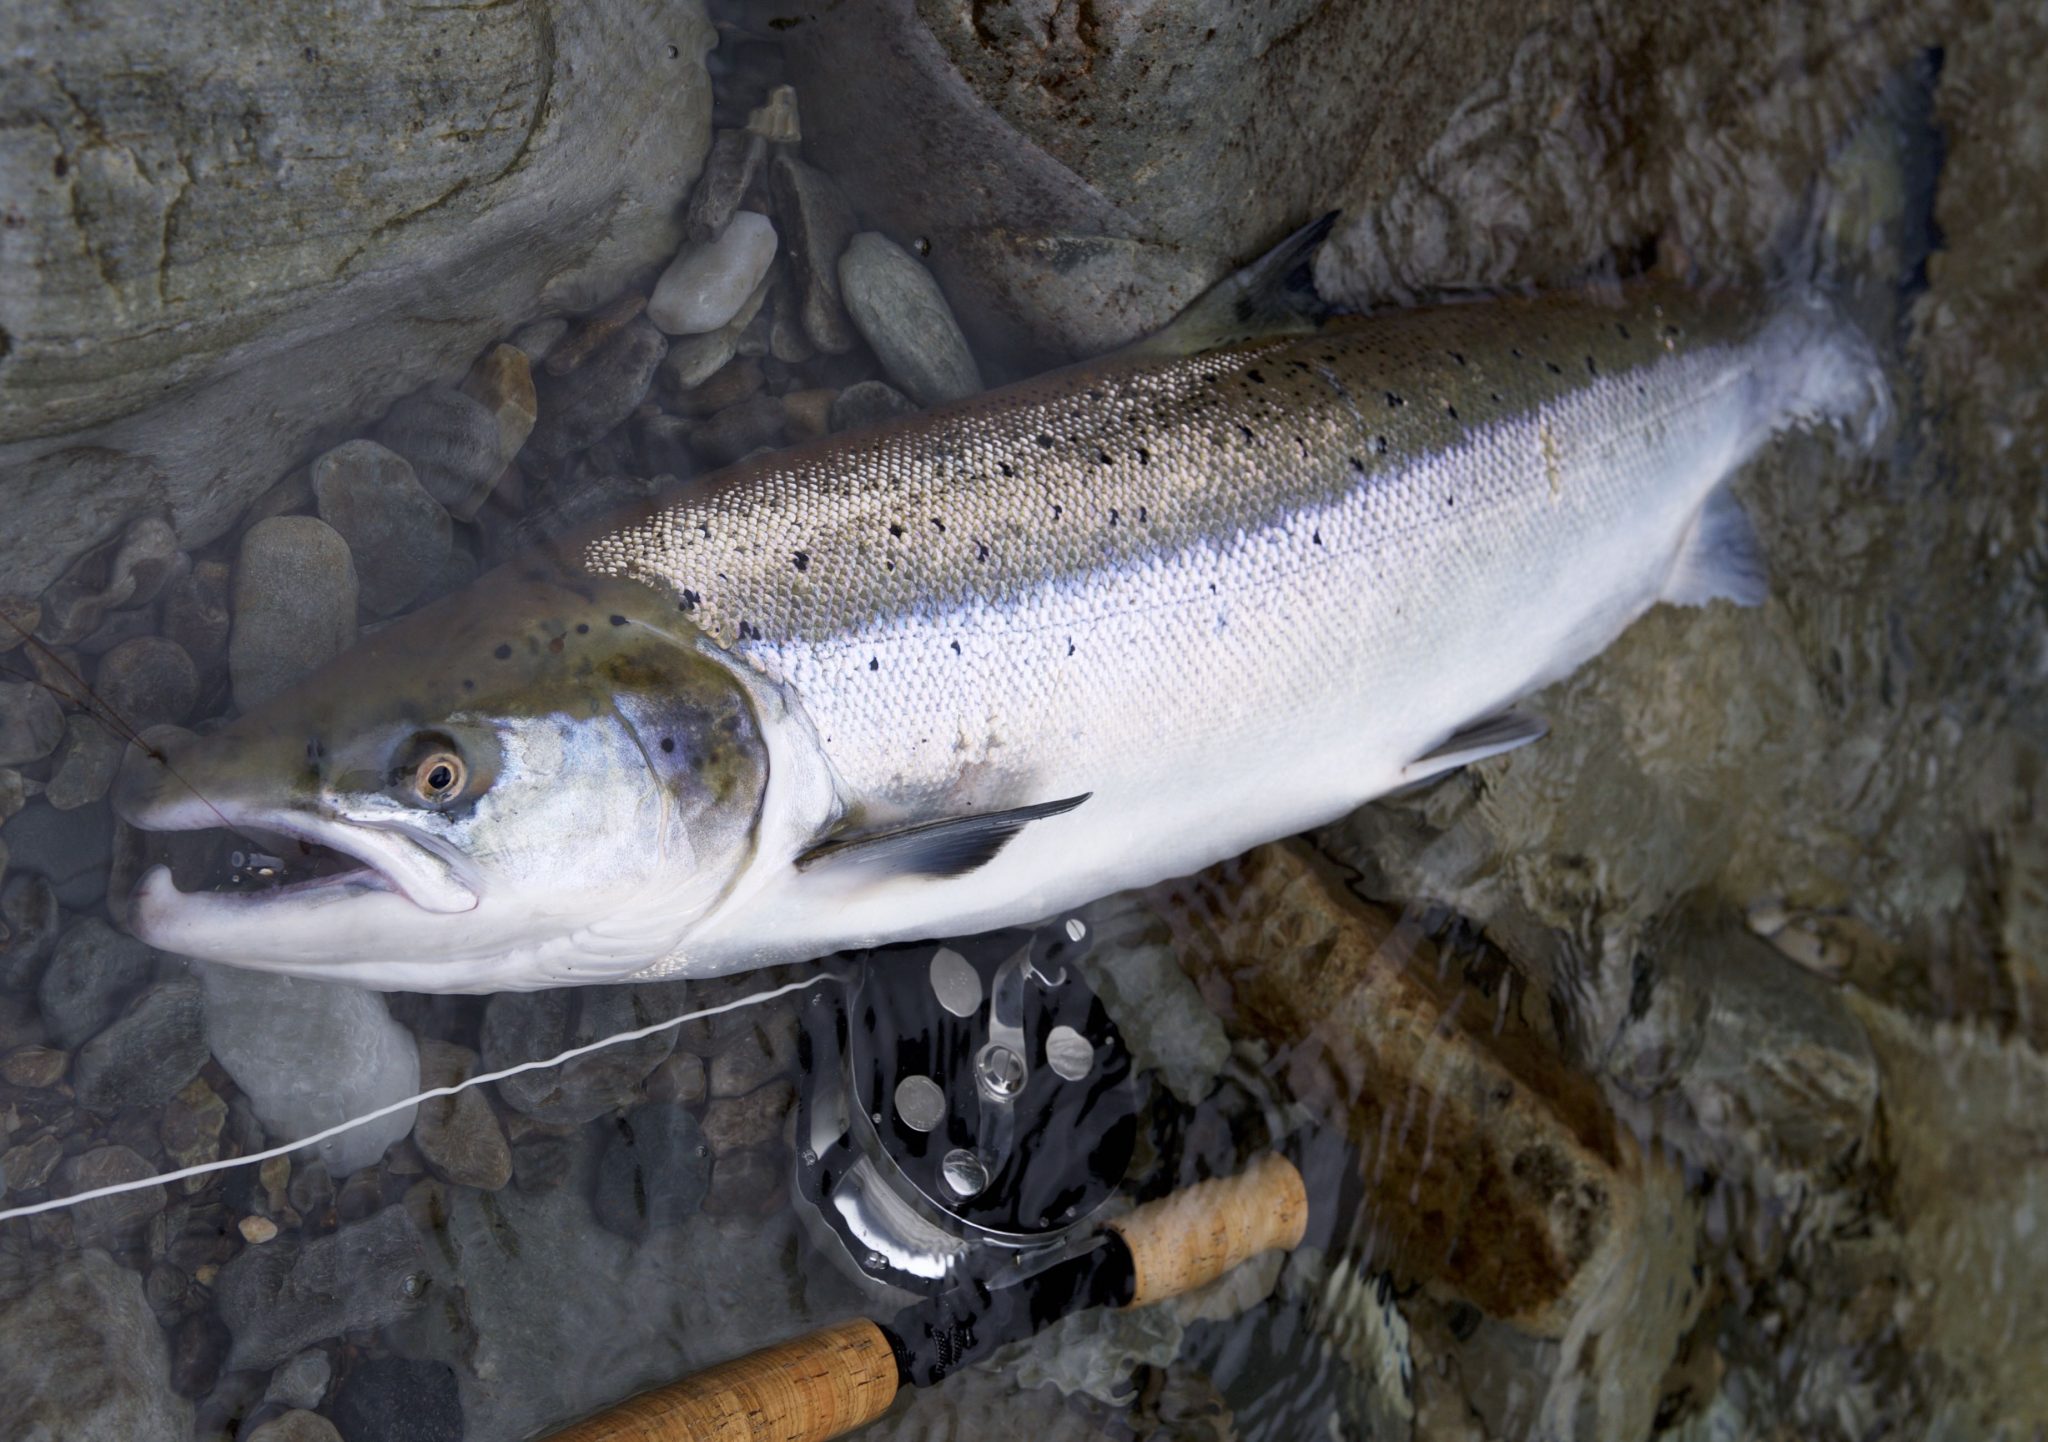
{"x":253,"y":1158}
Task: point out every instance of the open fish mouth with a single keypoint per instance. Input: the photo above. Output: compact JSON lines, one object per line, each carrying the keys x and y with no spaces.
{"x":264,"y":862}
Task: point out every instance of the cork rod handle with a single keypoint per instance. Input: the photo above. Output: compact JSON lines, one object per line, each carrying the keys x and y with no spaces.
{"x":806,"y":1390}
{"x":1194,"y":1236}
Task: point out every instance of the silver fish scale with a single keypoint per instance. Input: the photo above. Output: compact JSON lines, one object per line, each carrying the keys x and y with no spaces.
{"x":1145,"y":571}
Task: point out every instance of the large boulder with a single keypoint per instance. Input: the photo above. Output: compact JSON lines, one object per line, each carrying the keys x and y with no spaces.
{"x":234,"y":232}
{"x":1081,"y":172}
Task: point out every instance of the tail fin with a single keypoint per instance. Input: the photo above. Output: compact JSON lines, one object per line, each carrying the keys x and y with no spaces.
{"x":1856,"y":255}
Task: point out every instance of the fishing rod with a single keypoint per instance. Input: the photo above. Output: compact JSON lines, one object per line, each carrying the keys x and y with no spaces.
{"x":827,"y":1383}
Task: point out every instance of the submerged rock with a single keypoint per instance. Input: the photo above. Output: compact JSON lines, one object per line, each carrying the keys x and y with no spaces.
{"x":297,"y":1425}
{"x":707,"y":283}
{"x":397,"y":533}
{"x":295,"y":605}
{"x":330,"y":258}
{"x":532,"y":1026}
{"x":83,"y":1360}
{"x":818,"y":222}
{"x":149,"y":1052}
{"x":85,"y":765}
{"x":113,"y":1221}
{"x":653,"y":1172}
{"x":865,"y":403}
{"x":31,"y":722}
{"x":577,"y":408}
{"x":902,"y":313}
{"x":454,"y":441}
{"x":728,"y":170}
{"x":311,"y":1054}
{"x":93,"y":973}
{"x":279,"y":1298}
{"x":146,"y":682}
{"x":30,"y":916}
{"x":459,"y":1136}
{"x":397,"y":1399}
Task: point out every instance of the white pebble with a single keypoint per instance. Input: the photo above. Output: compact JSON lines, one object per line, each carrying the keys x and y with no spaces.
{"x":705,"y":285}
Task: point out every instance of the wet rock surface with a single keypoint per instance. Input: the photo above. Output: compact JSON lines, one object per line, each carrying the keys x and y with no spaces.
{"x":397,"y":533}
{"x":148,"y":1054}
{"x":277,"y":1299}
{"x":85,"y":1361}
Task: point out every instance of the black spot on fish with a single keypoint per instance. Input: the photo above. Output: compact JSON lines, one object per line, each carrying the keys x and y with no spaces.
{"x":1456,"y":357}
{"x":1591,"y":369}
{"x":1515,"y":352}
{"x":1394,"y":402}
{"x":668,"y":743}
{"x":1357,"y":465}
{"x":1316,"y":536}
{"x":747,"y":631}
{"x":1142,"y":517}
{"x":689,"y":602}
{"x":895,"y":528}
{"x":1255,"y":378}
{"x":1144,"y":456}
{"x":1554,"y":368}
{"x":618,"y":620}
{"x":1057,"y":510}
{"x":1112,"y":515}
{"x":1070,"y":645}
{"x":1379,"y":444}
{"x":981,"y":550}
{"x":503,"y":653}
{"x":874,"y":663}
{"x":956,"y":648}
{"x":1246,"y":432}
{"x":1304,"y":447}
{"x":1621,"y":330}
{"x":1450,"y":501}
{"x":1102,"y":458}
{"x":1004,"y":467}
{"x":801,"y":560}
{"x":1493,"y":396}
{"x":1044,"y":440}
{"x":1450,"y":410}
{"x":583,"y":628}
{"x":704,"y":530}
{"x":938,"y":525}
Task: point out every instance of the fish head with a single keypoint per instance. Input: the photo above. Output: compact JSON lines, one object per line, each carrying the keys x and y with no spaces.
{"x":540,"y":780}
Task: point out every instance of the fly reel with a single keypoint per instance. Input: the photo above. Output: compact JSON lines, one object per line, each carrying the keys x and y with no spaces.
{"x":968,"y":1108}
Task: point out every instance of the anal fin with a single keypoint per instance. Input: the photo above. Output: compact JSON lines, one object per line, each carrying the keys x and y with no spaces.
{"x":1720,"y":559}
{"x":950,"y":847}
{"x":1476,"y":742}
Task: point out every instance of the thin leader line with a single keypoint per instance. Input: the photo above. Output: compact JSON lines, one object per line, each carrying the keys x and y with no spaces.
{"x":116,"y":1188}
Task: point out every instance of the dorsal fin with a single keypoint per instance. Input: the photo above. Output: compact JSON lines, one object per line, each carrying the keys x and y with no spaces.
{"x":1274,"y":295}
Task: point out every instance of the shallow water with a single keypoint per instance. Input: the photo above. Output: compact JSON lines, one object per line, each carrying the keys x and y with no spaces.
{"x":1682,"y":1073}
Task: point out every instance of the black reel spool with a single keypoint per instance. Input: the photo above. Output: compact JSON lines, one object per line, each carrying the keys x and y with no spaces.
{"x":967,"y":1110}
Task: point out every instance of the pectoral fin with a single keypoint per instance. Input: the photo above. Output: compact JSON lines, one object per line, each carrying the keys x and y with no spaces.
{"x":1476,"y":742}
{"x":947,"y":848}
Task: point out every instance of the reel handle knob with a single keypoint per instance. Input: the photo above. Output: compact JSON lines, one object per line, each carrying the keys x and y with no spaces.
{"x":1192,"y":1237}
{"x":805,"y":1390}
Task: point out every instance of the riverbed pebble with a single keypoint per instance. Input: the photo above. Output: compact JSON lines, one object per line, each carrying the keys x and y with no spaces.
{"x":900,"y":310}
{"x":31,"y":723}
{"x":662,"y":443}
{"x":735,"y":158}
{"x":809,"y":412}
{"x":126,"y":571}
{"x":69,"y":848}
{"x":767,"y":1051}
{"x":733,"y":1124}
{"x":397,"y":533}
{"x":295,"y":605}
{"x":150,"y":1051}
{"x":452,"y":441}
{"x":536,"y":338}
{"x":34,"y":1067}
{"x":459,"y":1136}
{"x":708,"y":281}
{"x":32,"y":918}
{"x":297,"y":1425}
{"x":817,"y":223}
{"x":301,"y":1382}
{"x":653,"y":1171}
{"x":25,"y":1166}
{"x":94,"y":972}
{"x":399,"y":1399}
{"x":279,"y":1298}
{"x":594,"y":330}
{"x":531,"y":1026}
{"x":866,"y":403}
{"x":740,"y":429}
{"x":577,"y":408}
{"x":146,"y":682}
{"x":732,"y":383}
{"x":196,"y":617}
{"x":191,"y":1125}
{"x":747,"y":1184}
{"x":86,"y":763}
{"x":112,"y":1221}
{"x":502,"y":379}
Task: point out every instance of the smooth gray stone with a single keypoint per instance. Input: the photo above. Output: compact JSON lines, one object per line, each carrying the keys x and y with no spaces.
{"x":900,"y":310}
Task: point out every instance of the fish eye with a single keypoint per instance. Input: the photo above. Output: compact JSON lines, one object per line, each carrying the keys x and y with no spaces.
{"x":440,"y":777}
